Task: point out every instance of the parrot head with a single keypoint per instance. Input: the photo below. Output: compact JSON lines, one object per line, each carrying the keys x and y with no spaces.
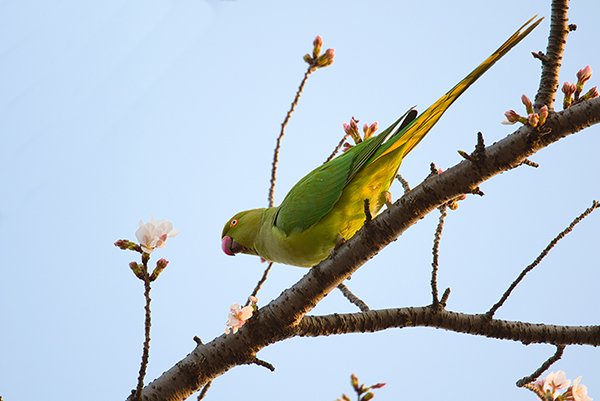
{"x":240,"y":232}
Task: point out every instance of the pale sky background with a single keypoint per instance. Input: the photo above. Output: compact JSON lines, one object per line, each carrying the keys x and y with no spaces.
{"x":112,"y":112}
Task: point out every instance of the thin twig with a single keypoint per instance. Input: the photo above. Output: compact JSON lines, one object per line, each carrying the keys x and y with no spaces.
{"x":466,"y":156}
{"x":532,"y":377}
{"x":403,"y":182}
{"x":479,"y":152}
{"x":559,"y":31}
{"x":540,"y":56}
{"x":204,"y":390}
{"x":436,"y":247}
{"x":262,"y":363}
{"x":260,"y":282}
{"x":445,"y":296}
{"x":147,"y":323}
{"x":433,"y":171}
{"x":477,"y":191}
{"x":530,"y":163}
{"x":478,"y":155}
{"x":337,"y":148}
{"x":353,"y":298}
{"x":309,"y":71}
{"x":595,"y":205}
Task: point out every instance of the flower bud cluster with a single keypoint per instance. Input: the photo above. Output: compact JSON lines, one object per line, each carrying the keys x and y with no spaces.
{"x":363,"y":392}
{"x":551,"y":388}
{"x":151,"y":235}
{"x":572,"y":91}
{"x":316,"y":59}
{"x":351,"y":129}
{"x":532,"y":119}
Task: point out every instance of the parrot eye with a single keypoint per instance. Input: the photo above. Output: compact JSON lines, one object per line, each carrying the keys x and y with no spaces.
{"x":233,"y":223}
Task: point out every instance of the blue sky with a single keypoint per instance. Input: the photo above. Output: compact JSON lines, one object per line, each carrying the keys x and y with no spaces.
{"x":112,"y":112}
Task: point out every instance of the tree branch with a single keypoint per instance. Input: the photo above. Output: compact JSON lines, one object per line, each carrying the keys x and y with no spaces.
{"x":427,"y":316}
{"x":281,"y":318}
{"x":551,"y":62}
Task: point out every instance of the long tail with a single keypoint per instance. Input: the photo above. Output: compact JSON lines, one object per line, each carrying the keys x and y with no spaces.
{"x":412,"y":134}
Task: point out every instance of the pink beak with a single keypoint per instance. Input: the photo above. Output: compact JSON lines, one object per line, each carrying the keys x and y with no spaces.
{"x":226,"y":244}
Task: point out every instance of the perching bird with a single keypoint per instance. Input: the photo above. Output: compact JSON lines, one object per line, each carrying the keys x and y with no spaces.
{"x":327,"y":205}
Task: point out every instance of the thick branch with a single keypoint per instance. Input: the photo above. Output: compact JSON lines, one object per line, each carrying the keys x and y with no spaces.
{"x":552,"y":60}
{"x":378,"y":320}
{"x":281,"y":318}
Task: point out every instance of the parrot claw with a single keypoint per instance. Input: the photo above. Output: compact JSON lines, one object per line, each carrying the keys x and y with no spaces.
{"x":339,"y":242}
{"x":388,"y":199}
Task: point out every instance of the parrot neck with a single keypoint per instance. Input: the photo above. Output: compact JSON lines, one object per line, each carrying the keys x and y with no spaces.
{"x":265,"y":231}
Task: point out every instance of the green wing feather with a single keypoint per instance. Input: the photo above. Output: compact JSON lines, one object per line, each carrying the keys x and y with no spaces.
{"x":316,"y":194}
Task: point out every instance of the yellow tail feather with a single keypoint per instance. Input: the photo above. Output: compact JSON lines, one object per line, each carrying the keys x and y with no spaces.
{"x":409,"y":137}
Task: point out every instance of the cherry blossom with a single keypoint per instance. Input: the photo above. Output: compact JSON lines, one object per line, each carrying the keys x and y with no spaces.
{"x":154,"y":234}
{"x":238,"y":315}
{"x":556,"y":381}
{"x":580,"y":391}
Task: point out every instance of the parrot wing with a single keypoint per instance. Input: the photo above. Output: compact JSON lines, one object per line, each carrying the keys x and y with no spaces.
{"x":315,"y":195}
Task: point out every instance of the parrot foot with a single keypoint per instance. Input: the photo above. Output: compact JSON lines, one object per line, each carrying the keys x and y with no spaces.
{"x":339,"y":242}
{"x":388,"y":199}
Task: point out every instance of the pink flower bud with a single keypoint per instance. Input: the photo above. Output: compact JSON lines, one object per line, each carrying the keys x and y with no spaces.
{"x":161,"y":264}
{"x":124,"y":244}
{"x":354,"y":381}
{"x":317,"y":44}
{"x":527,"y":103}
{"x":326,"y":59}
{"x":591,"y":94}
{"x":533,"y":119}
{"x":352,"y":130}
{"x":568,"y":88}
{"x":543,"y":113}
{"x":369,"y":130}
{"x":511,"y":117}
{"x":584,"y":74}
{"x":367,"y":397}
{"x":136,"y":268}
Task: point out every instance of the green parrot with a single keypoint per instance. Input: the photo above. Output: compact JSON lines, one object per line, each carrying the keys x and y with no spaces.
{"x":327,"y":205}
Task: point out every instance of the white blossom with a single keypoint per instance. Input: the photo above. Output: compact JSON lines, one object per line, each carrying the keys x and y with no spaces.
{"x":238,"y":317}
{"x":580,"y":391}
{"x":556,"y":381}
{"x":154,"y":234}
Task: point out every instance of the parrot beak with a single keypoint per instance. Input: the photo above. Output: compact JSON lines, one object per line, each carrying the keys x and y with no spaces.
{"x":229,"y":246}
